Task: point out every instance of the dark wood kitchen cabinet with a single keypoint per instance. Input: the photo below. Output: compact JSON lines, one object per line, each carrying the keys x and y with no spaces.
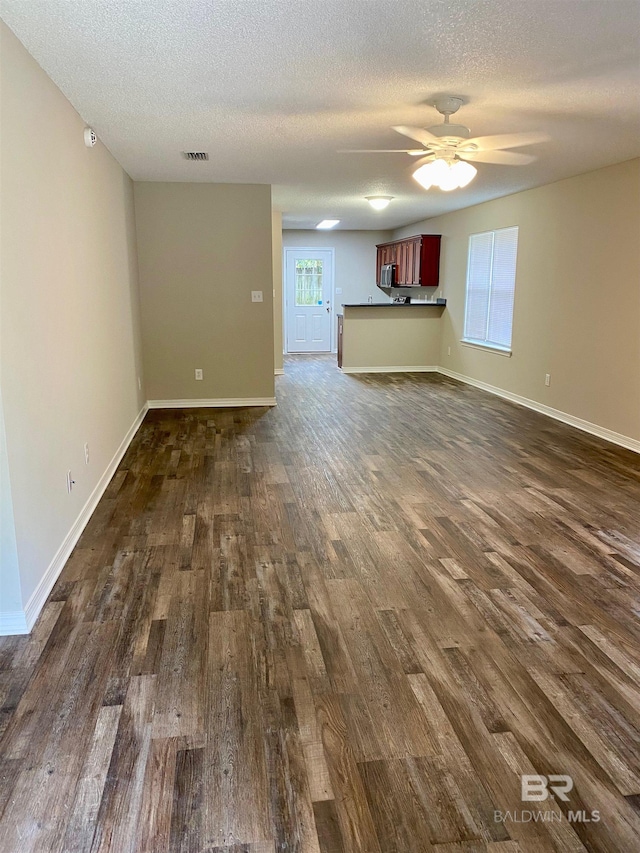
{"x":417,"y":260}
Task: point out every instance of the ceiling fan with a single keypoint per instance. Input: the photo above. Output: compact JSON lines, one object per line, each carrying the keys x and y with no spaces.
{"x":447,"y":148}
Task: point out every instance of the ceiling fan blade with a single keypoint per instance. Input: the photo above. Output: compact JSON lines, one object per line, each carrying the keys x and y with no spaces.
{"x":415,"y":152}
{"x":418,"y":133}
{"x":502,"y":158}
{"x":507,"y":140}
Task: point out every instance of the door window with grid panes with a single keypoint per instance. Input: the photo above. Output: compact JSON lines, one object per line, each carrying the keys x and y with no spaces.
{"x":308,"y":287}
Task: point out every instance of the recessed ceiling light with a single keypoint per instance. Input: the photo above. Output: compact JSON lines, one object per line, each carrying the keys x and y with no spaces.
{"x":327,"y":223}
{"x":379,"y":202}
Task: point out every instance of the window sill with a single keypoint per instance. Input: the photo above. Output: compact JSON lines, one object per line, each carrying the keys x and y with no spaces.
{"x":490,"y":347}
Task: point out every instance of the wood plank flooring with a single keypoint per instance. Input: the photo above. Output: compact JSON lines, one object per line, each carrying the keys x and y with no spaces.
{"x":344,"y":625}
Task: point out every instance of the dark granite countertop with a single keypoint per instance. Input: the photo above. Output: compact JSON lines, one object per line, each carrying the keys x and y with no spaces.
{"x":439,"y":304}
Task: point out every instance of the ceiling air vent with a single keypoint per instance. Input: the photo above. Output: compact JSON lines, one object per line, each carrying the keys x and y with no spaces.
{"x":195,"y":155}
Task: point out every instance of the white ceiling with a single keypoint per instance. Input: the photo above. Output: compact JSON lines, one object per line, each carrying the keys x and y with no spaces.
{"x":272,"y":88}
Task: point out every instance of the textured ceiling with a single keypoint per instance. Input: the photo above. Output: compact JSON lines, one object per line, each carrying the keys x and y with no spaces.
{"x":272,"y":89}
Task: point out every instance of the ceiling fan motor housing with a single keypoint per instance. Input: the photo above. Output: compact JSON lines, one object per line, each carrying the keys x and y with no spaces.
{"x":447,"y":106}
{"x":457,"y":131}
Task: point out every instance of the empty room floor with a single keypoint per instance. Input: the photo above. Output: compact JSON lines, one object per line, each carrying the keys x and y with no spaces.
{"x":348,"y":623}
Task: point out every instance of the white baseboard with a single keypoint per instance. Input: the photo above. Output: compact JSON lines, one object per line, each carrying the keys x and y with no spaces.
{"x":218,"y":403}
{"x":404,"y":369}
{"x":586,"y":426}
{"x":279,"y":371}
{"x":21,"y":622}
{"x":13,"y":622}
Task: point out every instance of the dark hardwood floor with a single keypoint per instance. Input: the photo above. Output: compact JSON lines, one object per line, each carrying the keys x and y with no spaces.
{"x":349,"y":623}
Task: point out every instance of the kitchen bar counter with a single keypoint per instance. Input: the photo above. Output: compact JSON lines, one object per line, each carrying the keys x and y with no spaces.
{"x":394,"y":338}
{"x":439,"y":304}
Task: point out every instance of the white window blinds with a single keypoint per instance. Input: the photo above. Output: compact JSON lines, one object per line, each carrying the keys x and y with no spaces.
{"x":491,"y":281}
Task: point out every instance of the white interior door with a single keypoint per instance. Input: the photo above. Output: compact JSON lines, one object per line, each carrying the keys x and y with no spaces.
{"x":309,"y":294}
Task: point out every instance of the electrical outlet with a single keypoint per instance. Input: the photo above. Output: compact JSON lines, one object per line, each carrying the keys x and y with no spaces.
{"x":70,"y":482}
{"x":198,"y":373}
{"x":338,"y":291}
{"x":256,"y":296}
{"x":547,"y":379}
{"x":448,"y":350}
{"x":86,"y":453}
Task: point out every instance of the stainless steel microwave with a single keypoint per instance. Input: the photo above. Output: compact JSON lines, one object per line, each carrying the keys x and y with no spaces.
{"x":388,"y":275}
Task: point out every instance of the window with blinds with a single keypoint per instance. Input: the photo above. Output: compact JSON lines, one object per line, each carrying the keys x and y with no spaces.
{"x":491,"y":282}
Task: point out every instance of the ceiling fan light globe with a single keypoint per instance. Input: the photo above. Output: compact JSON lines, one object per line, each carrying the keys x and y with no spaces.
{"x":449,"y":181}
{"x":439,"y":170}
{"x":431,"y":173}
{"x":465,"y":173}
{"x":423,"y":177}
{"x":445,"y":174}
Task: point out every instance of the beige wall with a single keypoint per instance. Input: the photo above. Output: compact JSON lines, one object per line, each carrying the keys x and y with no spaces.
{"x":202,"y":249}
{"x":70,"y":343}
{"x":399,"y":337}
{"x":577,"y":302}
{"x":10,"y":591}
{"x":276,"y":252}
{"x":355,"y":260}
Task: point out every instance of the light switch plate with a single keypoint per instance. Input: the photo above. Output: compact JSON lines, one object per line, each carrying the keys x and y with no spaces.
{"x":256,"y":296}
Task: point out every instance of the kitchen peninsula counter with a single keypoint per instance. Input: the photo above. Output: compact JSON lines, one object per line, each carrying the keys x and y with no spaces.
{"x":389,"y":337}
{"x":440,"y":304}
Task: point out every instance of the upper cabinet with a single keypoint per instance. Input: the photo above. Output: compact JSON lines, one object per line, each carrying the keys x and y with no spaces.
{"x":417,"y":260}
